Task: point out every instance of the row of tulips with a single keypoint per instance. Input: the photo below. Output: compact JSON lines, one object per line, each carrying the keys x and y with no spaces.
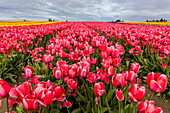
{"x":83,"y":67}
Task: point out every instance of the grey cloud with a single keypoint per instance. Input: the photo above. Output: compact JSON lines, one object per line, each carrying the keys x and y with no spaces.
{"x":128,"y":10}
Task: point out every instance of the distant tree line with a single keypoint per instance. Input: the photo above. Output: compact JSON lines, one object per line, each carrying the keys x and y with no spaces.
{"x":161,"y":20}
{"x":118,"y":20}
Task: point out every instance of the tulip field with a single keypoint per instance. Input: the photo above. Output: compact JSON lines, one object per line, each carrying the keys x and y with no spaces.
{"x":84,"y":67}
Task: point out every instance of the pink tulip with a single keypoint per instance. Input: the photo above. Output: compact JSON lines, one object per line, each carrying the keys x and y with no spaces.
{"x":135,"y":67}
{"x":30,"y":102}
{"x":91,"y":77}
{"x":59,"y":93}
{"x":136,"y":93}
{"x":46,"y":98}
{"x":12,"y":101}
{"x":148,"y":107}
{"x":28,"y":72}
{"x":130,"y":75}
{"x":99,"y":89}
{"x":57,"y":73}
{"x":21,"y":91}
{"x":67,"y":104}
{"x":34,"y":79}
{"x":164,"y":65}
{"x":71,"y":84}
{"x":119,"y":95}
{"x":4,"y":88}
{"x":118,"y":80}
{"x":157,"y":82}
{"x":110,"y":71}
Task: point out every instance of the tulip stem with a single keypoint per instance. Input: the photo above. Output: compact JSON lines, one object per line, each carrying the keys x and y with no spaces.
{"x":119,"y":106}
{"x":151,"y":96}
{"x":7,"y":107}
{"x":79,"y":104}
{"x":100,"y":104}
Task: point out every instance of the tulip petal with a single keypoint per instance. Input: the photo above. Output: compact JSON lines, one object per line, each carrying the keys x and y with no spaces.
{"x":142,"y":106}
{"x":2,"y":93}
{"x":163,"y":81}
{"x":42,"y":103}
{"x":155,"y":87}
{"x":101,"y":92}
{"x":60,"y":99}
{"x":97,"y":99}
{"x":67,"y":104}
{"x":132,"y":97}
{"x":13,"y":93}
{"x":25,"y":104}
{"x":119,"y":95}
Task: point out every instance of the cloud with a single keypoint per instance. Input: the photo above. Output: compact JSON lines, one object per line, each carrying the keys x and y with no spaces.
{"x":107,"y":10}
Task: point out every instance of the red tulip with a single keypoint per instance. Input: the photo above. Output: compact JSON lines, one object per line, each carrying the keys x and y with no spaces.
{"x":71,"y":84}
{"x":157,"y":82}
{"x":59,"y":93}
{"x":34,"y":79}
{"x":67,"y":104}
{"x":94,"y":60}
{"x":57,"y":73}
{"x":119,"y":95}
{"x":4,"y":88}
{"x":135,"y":67}
{"x":21,"y":91}
{"x":136,"y":93}
{"x":12,"y":101}
{"x":28,"y":72}
{"x":164,"y":65}
{"x":118,"y":80}
{"x":46,"y":98}
{"x":130,"y":75}
{"x":99,"y":89}
{"x":47,"y":58}
{"x":91,"y":77}
{"x":110,"y":71}
{"x":30,"y":102}
{"x":148,"y":107}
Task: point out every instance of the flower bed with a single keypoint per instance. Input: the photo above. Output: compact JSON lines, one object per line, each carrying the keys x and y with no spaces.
{"x":90,"y":67}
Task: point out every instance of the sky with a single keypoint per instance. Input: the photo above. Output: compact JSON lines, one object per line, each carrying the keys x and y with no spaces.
{"x":87,"y":10}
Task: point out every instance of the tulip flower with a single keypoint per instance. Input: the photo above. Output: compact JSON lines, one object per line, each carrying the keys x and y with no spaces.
{"x":130,"y":75}
{"x":110,"y":71}
{"x":136,"y":93}
{"x":4,"y":88}
{"x":157,"y":82}
{"x":98,"y":90}
{"x":11,"y":102}
{"x":164,"y":65}
{"x":21,"y":91}
{"x":91,"y":77}
{"x":30,"y":102}
{"x":46,"y":98}
{"x":67,"y":104}
{"x":34,"y":79}
{"x":47,"y":59}
{"x":71,"y":84}
{"x":119,"y":95}
{"x":118,"y":80}
{"x":59,"y":93}
{"x":148,"y":107}
{"x":135,"y":67}
{"x":57,"y":73}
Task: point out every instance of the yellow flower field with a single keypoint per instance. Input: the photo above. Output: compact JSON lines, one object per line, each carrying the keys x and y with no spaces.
{"x":150,"y":23}
{"x":24,"y":23}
